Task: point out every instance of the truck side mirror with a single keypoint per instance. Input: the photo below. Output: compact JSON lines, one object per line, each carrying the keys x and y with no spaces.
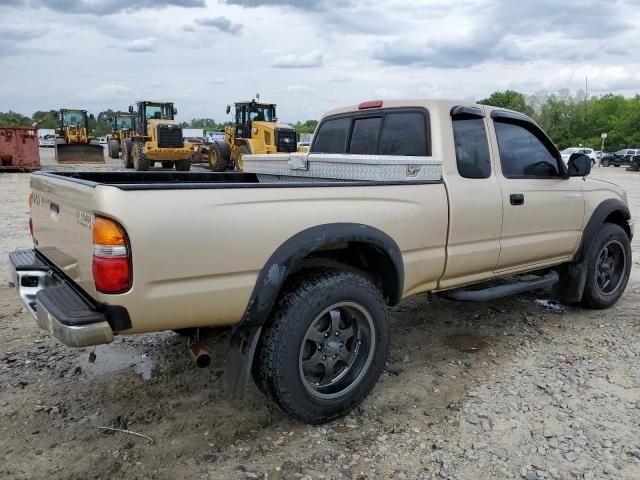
{"x":579,"y":165}
{"x":130,"y":108}
{"x":91,"y":117}
{"x":228,"y":109}
{"x":175,"y":111}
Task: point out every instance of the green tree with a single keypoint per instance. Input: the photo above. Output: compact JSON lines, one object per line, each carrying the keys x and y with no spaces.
{"x":14,"y":119}
{"x":509,"y":99}
{"x":50,"y":119}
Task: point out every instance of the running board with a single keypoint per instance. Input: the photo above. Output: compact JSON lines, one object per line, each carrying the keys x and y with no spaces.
{"x":493,"y":293}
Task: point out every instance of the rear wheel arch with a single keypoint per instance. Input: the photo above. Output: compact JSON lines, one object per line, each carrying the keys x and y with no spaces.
{"x":377,"y":252}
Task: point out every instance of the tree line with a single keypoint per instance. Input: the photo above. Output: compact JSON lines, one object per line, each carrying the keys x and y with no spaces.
{"x":570,"y":119}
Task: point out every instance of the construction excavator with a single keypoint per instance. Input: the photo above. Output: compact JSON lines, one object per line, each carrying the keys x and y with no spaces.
{"x":73,"y":144}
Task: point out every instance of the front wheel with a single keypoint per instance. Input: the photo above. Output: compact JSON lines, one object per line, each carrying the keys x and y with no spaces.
{"x":183,"y":165}
{"x":127,"y":153}
{"x":604,"y":163}
{"x":140,"y":160}
{"x":324,"y":347}
{"x":608,"y":267}
{"x":114,"y":148}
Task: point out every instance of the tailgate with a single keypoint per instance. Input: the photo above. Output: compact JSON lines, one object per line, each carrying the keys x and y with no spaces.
{"x":62,"y":215}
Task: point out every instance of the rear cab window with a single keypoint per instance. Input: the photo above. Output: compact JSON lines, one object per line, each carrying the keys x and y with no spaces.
{"x":392,"y":131}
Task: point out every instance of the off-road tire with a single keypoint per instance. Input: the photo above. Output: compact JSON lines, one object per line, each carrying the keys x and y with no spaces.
{"x":276,"y":367}
{"x":242,"y":150}
{"x":219,"y":157}
{"x":114,"y":148}
{"x":183,"y":165}
{"x":127,"y":153}
{"x":167,"y":165}
{"x":593,"y":296}
{"x":140,"y":160}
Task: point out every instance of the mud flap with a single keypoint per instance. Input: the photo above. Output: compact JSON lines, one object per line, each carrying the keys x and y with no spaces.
{"x":79,"y":153}
{"x":240,"y":359}
{"x":570,"y":287}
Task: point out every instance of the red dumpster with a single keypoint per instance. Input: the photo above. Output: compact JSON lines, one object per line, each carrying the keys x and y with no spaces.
{"x":19,"y":149}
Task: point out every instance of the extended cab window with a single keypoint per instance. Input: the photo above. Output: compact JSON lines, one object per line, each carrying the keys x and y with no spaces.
{"x":383,"y":132}
{"x":523,"y":154}
{"x":332,"y":137}
{"x":364,"y":138}
{"x":404,"y":133}
{"x":472,"y":147}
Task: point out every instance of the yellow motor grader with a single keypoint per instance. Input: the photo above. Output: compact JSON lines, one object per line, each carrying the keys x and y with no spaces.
{"x":123,"y":127}
{"x":73,"y":144}
{"x":158,"y":138}
{"x":256,"y":130}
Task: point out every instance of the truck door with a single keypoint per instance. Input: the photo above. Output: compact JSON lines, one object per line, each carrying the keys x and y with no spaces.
{"x":543,"y":209}
{"x":475,"y":201}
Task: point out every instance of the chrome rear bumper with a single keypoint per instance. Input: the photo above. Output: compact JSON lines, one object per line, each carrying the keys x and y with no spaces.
{"x":55,"y":304}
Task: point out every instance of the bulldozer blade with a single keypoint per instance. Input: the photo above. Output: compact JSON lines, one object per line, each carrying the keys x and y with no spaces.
{"x":79,"y":153}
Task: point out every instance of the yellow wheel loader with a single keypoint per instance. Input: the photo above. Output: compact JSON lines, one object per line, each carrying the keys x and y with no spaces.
{"x":158,"y":138}
{"x":123,"y":127}
{"x":73,"y":143}
{"x":256,"y":130}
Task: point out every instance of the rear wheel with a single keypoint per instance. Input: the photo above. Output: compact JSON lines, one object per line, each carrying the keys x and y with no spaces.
{"x":140,"y":161}
{"x":608,"y":267}
{"x":127,"y":153}
{"x":183,"y":165}
{"x":114,"y":148}
{"x":324,"y":347}
{"x":218,"y":157}
{"x":167,"y":165}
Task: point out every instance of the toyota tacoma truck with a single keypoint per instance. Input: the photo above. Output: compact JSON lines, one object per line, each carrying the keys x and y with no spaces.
{"x":305,"y":272}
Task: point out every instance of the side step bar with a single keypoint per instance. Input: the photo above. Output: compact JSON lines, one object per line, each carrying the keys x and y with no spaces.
{"x":493,"y":293}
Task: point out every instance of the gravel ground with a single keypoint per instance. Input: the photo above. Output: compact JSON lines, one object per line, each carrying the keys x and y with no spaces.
{"x":517,"y":388}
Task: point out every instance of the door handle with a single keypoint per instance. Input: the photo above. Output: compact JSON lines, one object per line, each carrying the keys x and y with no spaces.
{"x":517,"y":198}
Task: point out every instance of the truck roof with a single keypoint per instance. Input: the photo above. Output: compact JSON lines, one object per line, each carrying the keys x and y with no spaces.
{"x":431,"y":105}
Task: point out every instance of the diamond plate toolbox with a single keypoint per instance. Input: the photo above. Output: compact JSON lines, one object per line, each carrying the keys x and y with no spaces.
{"x":327,"y":166}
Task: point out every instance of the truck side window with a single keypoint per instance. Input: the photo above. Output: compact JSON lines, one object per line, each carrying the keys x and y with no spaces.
{"x":364,"y":136}
{"x":332,"y":137}
{"x":523,"y":154}
{"x":404,"y":134}
{"x":472,"y":147}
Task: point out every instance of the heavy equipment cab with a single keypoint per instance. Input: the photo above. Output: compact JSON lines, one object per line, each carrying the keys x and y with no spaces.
{"x":123,"y":126}
{"x":158,"y":138}
{"x":77,"y":147}
{"x":255,"y":130}
{"x":247,"y":112}
{"x":152,"y":111}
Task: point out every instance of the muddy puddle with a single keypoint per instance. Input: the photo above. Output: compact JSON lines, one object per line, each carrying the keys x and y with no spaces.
{"x":109,"y":360}
{"x":466,"y":342}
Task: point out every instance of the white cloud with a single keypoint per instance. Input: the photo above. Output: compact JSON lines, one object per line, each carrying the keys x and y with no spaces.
{"x":305,"y":60}
{"x":142,"y":45}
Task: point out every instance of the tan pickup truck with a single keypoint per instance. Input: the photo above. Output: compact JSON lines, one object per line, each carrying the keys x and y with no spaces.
{"x":305,"y":271}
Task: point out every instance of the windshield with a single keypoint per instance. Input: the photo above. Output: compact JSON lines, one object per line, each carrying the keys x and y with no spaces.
{"x":569,"y":150}
{"x":159,"y":111}
{"x":124,"y":123}
{"x":73,"y":118}
{"x":248,"y":113}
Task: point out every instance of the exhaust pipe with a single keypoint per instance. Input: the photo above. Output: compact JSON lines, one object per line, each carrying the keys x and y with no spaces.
{"x":200,"y":355}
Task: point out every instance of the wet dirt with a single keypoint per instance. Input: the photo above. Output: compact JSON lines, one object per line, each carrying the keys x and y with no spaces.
{"x":505,"y":389}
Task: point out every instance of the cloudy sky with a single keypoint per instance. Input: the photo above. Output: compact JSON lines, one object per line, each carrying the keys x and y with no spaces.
{"x":307,"y":56}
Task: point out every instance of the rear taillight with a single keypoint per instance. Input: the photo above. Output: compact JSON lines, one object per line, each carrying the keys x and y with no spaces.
{"x":370,"y":104}
{"x":111,"y":257}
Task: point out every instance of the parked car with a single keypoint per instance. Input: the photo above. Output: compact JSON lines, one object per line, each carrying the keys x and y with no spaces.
{"x":635,"y":163}
{"x":621,"y":157}
{"x":567,"y":152}
{"x":305,"y":270}
{"x":102,"y":141}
